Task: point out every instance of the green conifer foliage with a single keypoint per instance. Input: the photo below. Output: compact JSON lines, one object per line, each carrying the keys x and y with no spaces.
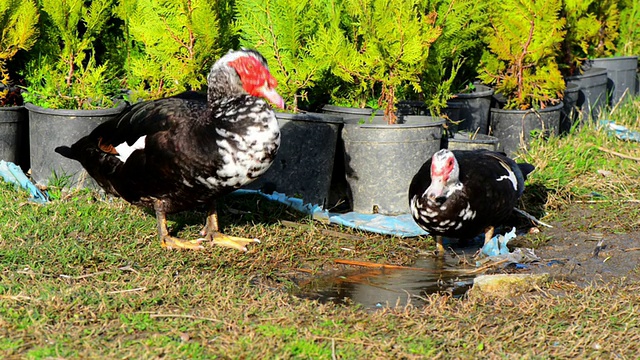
{"x":454,"y":56}
{"x":18,"y":31}
{"x":608,"y":16}
{"x":376,"y":46}
{"x":582,"y":29}
{"x":66,"y":74}
{"x":629,"y":41}
{"x":523,"y":44}
{"x":172,"y":44}
{"x":282,"y":30}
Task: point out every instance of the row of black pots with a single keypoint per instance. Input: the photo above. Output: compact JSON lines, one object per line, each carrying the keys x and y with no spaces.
{"x":327,"y":158}
{"x":604,"y":82}
{"x":378,"y":166}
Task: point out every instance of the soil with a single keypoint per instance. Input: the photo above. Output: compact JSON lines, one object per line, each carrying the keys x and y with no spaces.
{"x":588,"y":249}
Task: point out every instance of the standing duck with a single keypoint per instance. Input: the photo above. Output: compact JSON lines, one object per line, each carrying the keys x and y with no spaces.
{"x":185,"y":151}
{"x":463,"y":193}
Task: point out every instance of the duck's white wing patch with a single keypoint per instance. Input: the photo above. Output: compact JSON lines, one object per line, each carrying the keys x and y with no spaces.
{"x":511,"y":176}
{"x":124,"y":150}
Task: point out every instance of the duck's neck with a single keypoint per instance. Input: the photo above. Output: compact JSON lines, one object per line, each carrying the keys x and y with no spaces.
{"x":223,"y":86}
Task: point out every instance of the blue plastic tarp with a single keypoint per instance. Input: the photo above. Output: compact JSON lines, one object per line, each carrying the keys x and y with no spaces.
{"x":12,"y":173}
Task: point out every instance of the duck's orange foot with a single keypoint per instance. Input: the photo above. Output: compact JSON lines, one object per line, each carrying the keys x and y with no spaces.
{"x":233,"y":242}
{"x":170,"y":242}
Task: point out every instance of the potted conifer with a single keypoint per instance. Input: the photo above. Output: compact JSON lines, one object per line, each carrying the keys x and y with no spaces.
{"x":19,"y":31}
{"x":170,"y":45}
{"x":374,"y":50}
{"x":282,"y":31}
{"x":520,"y":64}
{"x":581,"y":38}
{"x":452,"y":65}
{"x":69,"y":89}
{"x":609,"y":51}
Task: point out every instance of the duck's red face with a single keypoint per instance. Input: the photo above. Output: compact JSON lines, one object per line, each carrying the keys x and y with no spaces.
{"x":257,"y":80}
{"x":444,"y":171}
{"x":442,"y":164}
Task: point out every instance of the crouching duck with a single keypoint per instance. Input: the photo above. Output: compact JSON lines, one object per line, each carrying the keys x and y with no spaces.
{"x":463,"y":193}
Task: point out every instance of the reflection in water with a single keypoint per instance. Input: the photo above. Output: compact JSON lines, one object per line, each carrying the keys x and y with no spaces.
{"x":377,"y":287}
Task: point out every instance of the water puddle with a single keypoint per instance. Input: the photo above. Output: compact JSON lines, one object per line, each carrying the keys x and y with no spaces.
{"x":382,"y":287}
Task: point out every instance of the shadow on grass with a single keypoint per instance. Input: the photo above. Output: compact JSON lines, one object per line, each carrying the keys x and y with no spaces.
{"x":236,"y":210}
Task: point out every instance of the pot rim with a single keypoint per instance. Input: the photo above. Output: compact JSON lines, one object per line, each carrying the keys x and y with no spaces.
{"x":558,"y":106}
{"x":427,"y":121}
{"x":121,"y":105}
{"x":310,"y":117}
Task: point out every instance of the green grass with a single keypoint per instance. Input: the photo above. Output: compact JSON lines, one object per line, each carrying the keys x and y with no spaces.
{"x":577,"y":167}
{"x":85,"y":277}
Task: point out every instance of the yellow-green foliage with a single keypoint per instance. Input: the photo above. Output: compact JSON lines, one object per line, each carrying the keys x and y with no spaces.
{"x":629,"y":40}
{"x":282,"y":30}
{"x":523,"y":44}
{"x":592,"y":30}
{"x":453,"y":57}
{"x":172,"y":44}
{"x":608,"y":15}
{"x":377,"y":46}
{"x":67,"y":75}
{"x":18,"y":31}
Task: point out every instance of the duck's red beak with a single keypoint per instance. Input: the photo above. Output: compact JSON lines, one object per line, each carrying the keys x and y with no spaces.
{"x":272,"y":95}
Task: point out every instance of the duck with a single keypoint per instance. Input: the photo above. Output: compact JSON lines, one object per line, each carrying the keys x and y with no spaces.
{"x":186,"y":151}
{"x":464,"y":193}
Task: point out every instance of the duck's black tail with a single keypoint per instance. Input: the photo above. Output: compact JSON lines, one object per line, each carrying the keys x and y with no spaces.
{"x":66,"y":152}
{"x":526,"y":169}
{"x":98,"y":164}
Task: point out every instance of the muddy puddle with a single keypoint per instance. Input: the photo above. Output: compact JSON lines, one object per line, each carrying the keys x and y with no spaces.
{"x":377,"y":287}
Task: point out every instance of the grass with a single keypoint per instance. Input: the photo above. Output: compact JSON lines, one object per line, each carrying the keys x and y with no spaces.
{"x":84,"y":277}
{"x":577,"y":167}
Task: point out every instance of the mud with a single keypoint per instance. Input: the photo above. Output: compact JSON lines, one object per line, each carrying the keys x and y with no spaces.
{"x":587,"y":247}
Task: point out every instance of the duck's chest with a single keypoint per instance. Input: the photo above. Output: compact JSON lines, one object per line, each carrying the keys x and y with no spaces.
{"x":446,"y":217}
{"x":241,"y":154}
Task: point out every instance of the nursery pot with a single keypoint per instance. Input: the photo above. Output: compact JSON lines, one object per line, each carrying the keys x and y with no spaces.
{"x":621,"y":76}
{"x":569,"y":110}
{"x":515,"y":128}
{"x":339,"y":195}
{"x":381,"y":159}
{"x":343,"y":111}
{"x":474,"y":109}
{"x":469,"y":141}
{"x":451,"y":112}
{"x":304,"y":163}
{"x":593,"y":91}
{"x":14,"y":136}
{"x":50,"y":128}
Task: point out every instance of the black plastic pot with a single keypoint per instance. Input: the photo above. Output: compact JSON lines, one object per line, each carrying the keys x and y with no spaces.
{"x":621,"y":75}
{"x":50,"y":128}
{"x":343,"y":111}
{"x":339,"y":193}
{"x":451,"y":113}
{"x":474,"y":109}
{"x":380,"y":159}
{"x":304,"y":164}
{"x":515,"y":128}
{"x":569,"y":110}
{"x":14,"y":136}
{"x":468,"y":141}
{"x":592,"y":95}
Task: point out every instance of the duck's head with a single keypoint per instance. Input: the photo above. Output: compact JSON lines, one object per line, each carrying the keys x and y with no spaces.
{"x":445,"y":174}
{"x":244,"y":71}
